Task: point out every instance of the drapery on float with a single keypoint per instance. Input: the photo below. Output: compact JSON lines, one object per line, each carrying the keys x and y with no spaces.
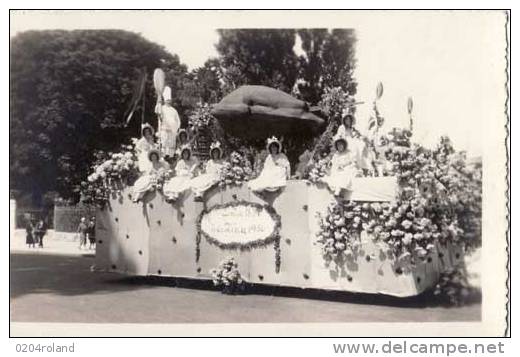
{"x":391,"y":234}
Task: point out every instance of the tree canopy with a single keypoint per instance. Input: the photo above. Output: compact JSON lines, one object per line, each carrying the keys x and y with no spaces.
{"x":268,"y":57}
{"x":258,"y":56}
{"x":68,"y":94}
{"x":328,"y":62}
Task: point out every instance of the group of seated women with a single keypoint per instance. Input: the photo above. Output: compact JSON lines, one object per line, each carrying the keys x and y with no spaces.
{"x":186,"y":173}
{"x":345,"y":164}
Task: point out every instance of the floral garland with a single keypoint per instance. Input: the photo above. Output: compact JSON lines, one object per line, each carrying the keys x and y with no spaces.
{"x":439,"y":202}
{"x":319,"y":169}
{"x":201,"y":116}
{"x":333,"y":101}
{"x":110,"y":172}
{"x":235,"y":171}
{"x":272,"y":237}
{"x":228,"y":277}
{"x":339,"y":236}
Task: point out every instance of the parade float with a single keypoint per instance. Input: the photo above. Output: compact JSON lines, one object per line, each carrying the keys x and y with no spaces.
{"x":398,"y":228}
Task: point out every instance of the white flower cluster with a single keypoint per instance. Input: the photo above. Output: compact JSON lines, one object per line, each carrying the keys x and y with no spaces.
{"x":227,"y":274}
{"x":116,"y":166}
{"x":236,"y":170}
{"x":319,"y":169}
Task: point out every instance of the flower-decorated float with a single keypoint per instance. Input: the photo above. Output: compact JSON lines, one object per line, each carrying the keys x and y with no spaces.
{"x":380,"y":215}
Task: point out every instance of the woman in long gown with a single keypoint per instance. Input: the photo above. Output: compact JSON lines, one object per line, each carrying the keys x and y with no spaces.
{"x":148,"y":180}
{"x":143,"y":147}
{"x":276,"y":169}
{"x":211,"y":176}
{"x":29,"y":235}
{"x":343,"y":167}
{"x":184,"y":171}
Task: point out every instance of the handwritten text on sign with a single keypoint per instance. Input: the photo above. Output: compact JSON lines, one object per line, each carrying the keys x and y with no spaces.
{"x":238,"y":224}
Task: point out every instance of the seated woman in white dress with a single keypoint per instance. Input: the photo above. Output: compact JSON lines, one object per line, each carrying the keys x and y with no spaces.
{"x":355,"y":143}
{"x":211,"y":176}
{"x":148,"y":180}
{"x":343,"y":167}
{"x":276,"y":169}
{"x":185,"y":170}
{"x":143,"y":147}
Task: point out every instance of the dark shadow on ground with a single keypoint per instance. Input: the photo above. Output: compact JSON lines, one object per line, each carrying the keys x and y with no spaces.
{"x":426,"y":299}
{"x":71,"y":275}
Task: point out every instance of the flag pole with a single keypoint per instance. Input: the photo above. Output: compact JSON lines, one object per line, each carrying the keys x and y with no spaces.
{"x":144,"y":98}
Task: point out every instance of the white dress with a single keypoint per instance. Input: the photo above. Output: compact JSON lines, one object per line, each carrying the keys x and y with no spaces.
{"x":274,"y":174}
{"x":149,"y":179}
{"x":168,"y":128}
{"x":205,"y":181}
{"x":142,"y":148}
{"x":342,"y":171}
{"x":184,"y":171}
{"x":356,"y":146}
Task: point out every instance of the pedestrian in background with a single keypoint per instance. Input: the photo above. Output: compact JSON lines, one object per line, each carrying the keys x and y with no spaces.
{"x":29,"y":237}
{"x":83,"y":231}
{"x":39,"y":232}
{"x":92,"y":232}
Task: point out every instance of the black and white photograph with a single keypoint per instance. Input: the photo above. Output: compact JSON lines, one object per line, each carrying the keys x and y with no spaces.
{"x":228,"y":173}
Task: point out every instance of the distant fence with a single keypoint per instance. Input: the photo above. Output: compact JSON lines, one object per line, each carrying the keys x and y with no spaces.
{"x":67,"y":218}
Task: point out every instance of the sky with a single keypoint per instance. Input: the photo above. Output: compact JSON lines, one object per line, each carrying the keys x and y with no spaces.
{"x":450,"y":63}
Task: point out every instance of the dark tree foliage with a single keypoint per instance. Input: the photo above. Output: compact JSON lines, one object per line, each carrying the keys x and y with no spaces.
{"x":329,"y":61}
{"x":258,"y":56}
{"x":68,"y":94}
{"x":208,"y":81}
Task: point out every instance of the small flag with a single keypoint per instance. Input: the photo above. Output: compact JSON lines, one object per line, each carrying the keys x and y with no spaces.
{"x":410,"y":105}
{"x":136,"y":96}
{"x":379,"y":91}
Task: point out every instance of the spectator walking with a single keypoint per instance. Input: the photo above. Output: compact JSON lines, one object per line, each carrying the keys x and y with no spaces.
{"x":29,"y":237}
{"x":39,"y":232}
{"x":82,"y":230}
{"x":92,"y":232}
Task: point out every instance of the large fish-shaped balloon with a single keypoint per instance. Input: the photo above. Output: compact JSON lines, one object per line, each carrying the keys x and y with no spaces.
{"x":258,"y":111}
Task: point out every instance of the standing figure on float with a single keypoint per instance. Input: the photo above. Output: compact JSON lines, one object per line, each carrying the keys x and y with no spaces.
{"x":355,"y":143}
{"x":185,"y":170}
{"x":211,"y":176}
{"x":144,"y":146}
{"x":169,"y":124}
{"x":343,"y":166}
{"x":276,"y":169}
{"x":148,"y":179}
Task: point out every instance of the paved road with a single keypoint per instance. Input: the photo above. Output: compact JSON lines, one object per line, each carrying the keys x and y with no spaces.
{"x":50,"y":287}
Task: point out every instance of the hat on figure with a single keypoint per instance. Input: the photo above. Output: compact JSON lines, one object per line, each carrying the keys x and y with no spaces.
{"x":153,"y":152}
{"x":185,"y":148}
{"x":147,"y":126}
{"x":215,"y":146}
{"x":182,"y":131}
{"x":273,"y":140}
{"x":346,"y":114}
{"x":167,"y":94}
{"x":339,"y":138}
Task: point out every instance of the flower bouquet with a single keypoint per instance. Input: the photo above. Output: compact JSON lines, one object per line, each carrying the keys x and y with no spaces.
{"x":236,"y":170}
{"x":319,"y":169}
{"x":227,"y":277}
{"x":110,"y":173}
